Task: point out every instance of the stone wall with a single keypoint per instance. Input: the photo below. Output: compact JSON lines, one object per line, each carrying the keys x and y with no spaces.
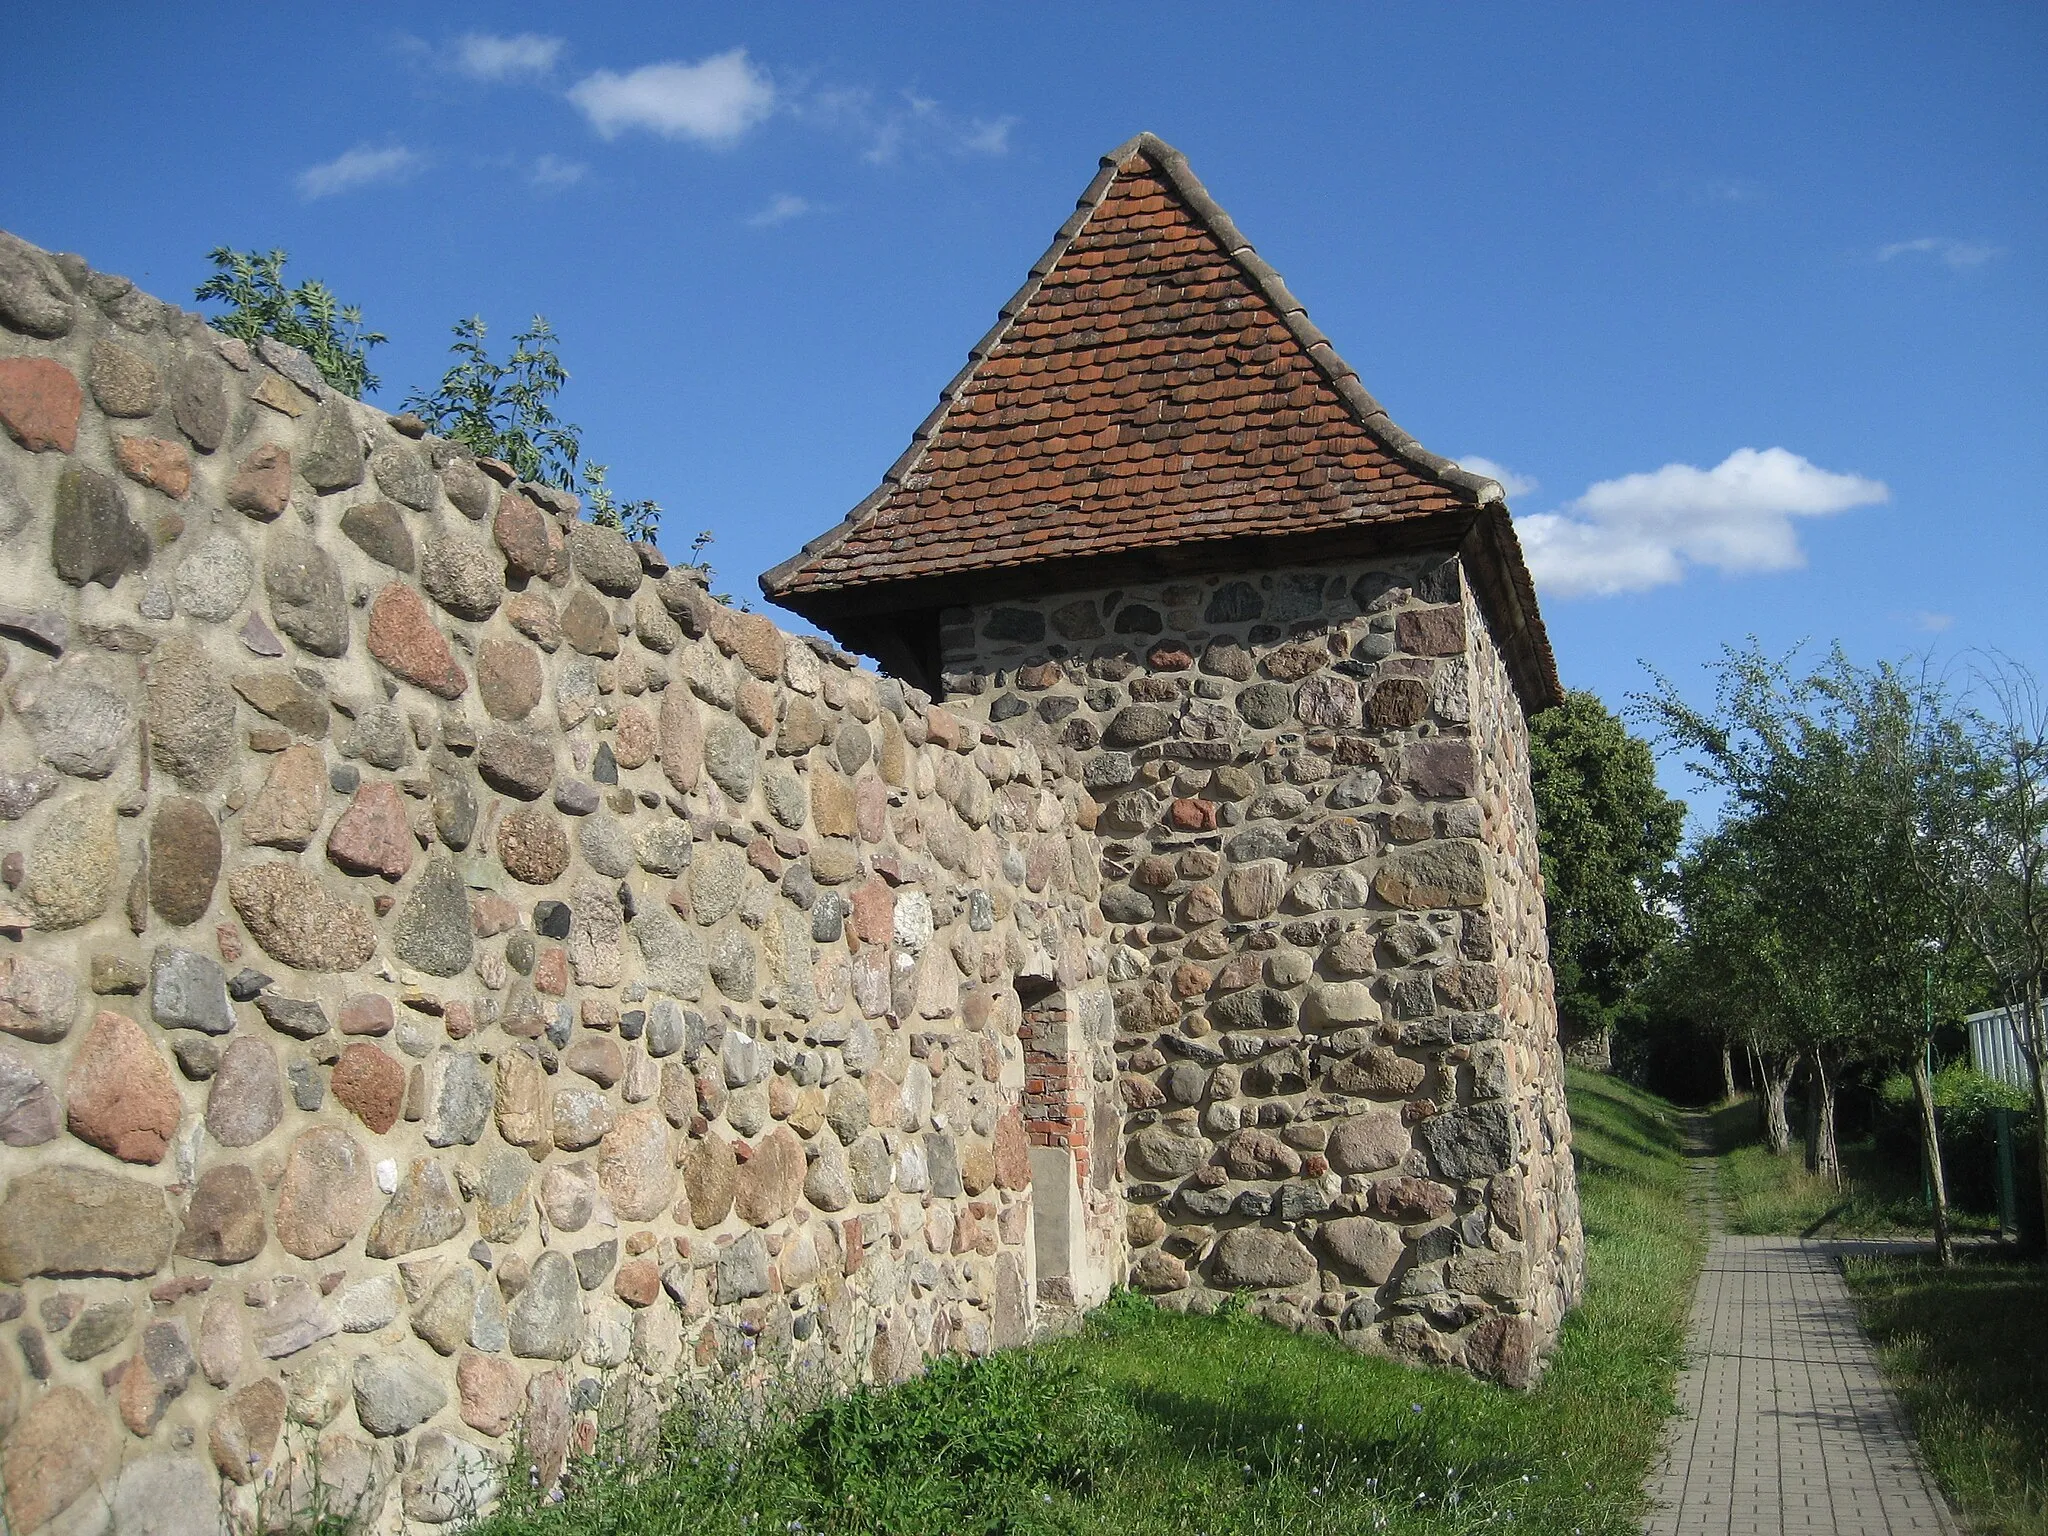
{"x":1335,"y":1015}
{"x":454,"y":975}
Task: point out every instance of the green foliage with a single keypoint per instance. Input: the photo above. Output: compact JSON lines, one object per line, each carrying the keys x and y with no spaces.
{"x":505,"y":410}
{"x":1819,"y":860}
{"x":1152,"y":1422}
{"x":637,"y":520}
{"x":1968,"y":1095}
{"x":308,"y":317}
{"x":1608,"y":835}
{"x":1967,"y":1348}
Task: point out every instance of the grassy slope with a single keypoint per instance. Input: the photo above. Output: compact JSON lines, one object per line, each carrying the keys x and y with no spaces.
{"x":1153,"y":1422}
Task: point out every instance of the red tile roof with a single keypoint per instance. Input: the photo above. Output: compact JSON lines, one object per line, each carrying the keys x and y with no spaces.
{"x":1153,"y":387}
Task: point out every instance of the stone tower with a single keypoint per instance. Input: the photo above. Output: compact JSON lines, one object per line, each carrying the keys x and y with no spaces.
{"x":1159,"y":527}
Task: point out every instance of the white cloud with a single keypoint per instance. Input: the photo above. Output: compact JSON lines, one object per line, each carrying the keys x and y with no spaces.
{"x":713,"y":101}
{"x":1514,"y":484}
{"x":1957,"y":255}
{"x":1728,"y":189}
{"x":1645,"y":530}
{"x":1930,"y":622}
{"x":482,"y":56}
{"x":554,"y":172}
{"x":780,"y":209}
{"x":905,"y":124}
{"x":359,"y":167}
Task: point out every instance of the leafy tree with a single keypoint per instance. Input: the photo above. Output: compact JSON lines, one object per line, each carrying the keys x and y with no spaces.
{"x":1737,"y":967}
{"x":1982,"y":849}
{"x":308,"y":317}
{"x":1608,"y":836}
{"x":1832,"y":796}
{"x":505,"y":410}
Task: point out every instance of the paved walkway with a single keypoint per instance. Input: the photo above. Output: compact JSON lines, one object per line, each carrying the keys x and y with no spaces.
{"x":1785,"y":1424}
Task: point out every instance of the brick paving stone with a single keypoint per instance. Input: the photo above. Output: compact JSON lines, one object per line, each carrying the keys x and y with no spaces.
{"x":1785,"y":1422}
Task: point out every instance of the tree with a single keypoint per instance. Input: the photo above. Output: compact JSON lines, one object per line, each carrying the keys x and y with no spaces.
{"x":1832,"y":792}
{"x":1735,"y":962}
{"x":308,"y":317}
{"x":1983,"y":852}
{"x":505,"y":410}
{"x":1607,"y":837}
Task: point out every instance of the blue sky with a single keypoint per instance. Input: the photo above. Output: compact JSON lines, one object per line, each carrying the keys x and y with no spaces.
{"x":1750,"y":302}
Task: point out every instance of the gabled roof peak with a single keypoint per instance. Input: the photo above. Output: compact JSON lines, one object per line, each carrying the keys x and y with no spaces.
{"x":1153,"y":392}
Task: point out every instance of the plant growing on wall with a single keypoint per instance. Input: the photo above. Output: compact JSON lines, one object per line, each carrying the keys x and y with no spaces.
{"x":309,"y":317}
{"x":637,"y":520}
{"x":505,"y":410}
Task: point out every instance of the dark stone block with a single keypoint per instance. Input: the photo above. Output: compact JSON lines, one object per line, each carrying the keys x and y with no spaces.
{"x":1023,"y":625}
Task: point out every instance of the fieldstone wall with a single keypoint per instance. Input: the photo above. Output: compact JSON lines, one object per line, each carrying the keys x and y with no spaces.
{"x":1336,"y":1023}
{"x":456,"y":978}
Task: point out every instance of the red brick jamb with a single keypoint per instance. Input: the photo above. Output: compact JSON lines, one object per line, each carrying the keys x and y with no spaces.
{"x":1055,"y":1084}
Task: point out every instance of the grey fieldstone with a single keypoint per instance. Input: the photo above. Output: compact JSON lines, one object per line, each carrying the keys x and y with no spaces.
{"x":469,"y":488}
{"x":741,"y":1270}
{"x":34,"y":298}
{"x":199,"y":400}
{"x":1265,"y":705}
{"x":462,"y":574}
{"x":424,"y":1212}
{"x":40,"y":1233}
{"x":545,"y":1320}
{"x":379,"y":738}
{"x":517,"y":762}
{"x":212,"y":581}
{"x":245,"y":1101}
{"x":458,"y":1098}
{"x":29,"y":1112}
{"x":101,"y":1326}
{"x":293,"y":363}
{"x":604,"y":558}
{"x":187,"y":990}
{"x":1137,"y":725}
{"x":404,"y":474}
{"x":92,"y":537}
{"x":307,"y":600}
{"x":717,"y":877}
{"x":333,"y":457}
{"x":394,"y":1395}
{"x":368,"y":1305}
{"x":733,"y":965}
{"x":79,"y":716}
{"x":297,"y":1017}
{"x":731,"y":756}
{"x":663,"y":849}
{"x":433,"y":931}
{"x":1258,"y":1258}
{"x":22,"y":792}
{"x":1469,"y":1143}
{"x":606,"y":847}
{"x":452,"y":799}
{"x":191,"y":716}
{"x":71,"y":865}
{"x":378,"y":529}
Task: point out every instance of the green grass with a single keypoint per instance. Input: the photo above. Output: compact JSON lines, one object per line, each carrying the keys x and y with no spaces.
{"x":1155,"y":1422}
{"x":1763,"y":1193}
{"x":1967,"y":1349}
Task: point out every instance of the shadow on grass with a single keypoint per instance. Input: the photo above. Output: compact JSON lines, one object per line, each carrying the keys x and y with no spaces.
{"x":1967,"y":1349}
